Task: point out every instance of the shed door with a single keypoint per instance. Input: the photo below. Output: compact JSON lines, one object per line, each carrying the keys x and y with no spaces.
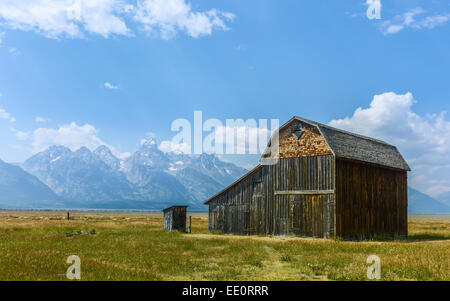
{"x":213,"y":219}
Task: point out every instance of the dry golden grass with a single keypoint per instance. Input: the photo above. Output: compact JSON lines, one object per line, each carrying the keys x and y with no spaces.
{"x":132,"y":246}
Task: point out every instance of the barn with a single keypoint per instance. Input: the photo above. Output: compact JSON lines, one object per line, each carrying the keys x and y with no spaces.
{"x":327,"y":183}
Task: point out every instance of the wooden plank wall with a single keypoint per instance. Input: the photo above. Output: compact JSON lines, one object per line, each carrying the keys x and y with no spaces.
{"x":175,"y":219}
{"x":253,"y":207}
{"x":168,"y":215}
{"x":370,"y":201}
{"x":310,"y":215}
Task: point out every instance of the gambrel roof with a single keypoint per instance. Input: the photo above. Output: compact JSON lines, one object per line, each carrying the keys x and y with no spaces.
{"x":357,"y":147}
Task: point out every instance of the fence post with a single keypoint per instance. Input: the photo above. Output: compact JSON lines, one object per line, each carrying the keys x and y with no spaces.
{"x":189,"y":224}
{"x":68,"y":215}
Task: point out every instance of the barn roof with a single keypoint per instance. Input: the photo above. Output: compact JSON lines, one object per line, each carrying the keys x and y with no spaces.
{"x":347,"y":145}
{"x":357,"y":147}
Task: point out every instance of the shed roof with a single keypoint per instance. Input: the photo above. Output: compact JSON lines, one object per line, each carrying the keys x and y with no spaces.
{"x":175,"y":206}
{"x":347,"y":145}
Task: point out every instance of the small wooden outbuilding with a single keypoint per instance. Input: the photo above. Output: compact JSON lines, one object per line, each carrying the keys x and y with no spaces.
{"x":175,"y":218}
{"x":326,"y":183}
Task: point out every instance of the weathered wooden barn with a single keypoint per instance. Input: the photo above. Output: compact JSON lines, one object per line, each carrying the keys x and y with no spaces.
{"x":327,"y":183}
{"x":175,"y":218}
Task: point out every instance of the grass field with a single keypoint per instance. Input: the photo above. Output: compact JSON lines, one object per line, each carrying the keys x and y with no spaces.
{"x":128,"y":246}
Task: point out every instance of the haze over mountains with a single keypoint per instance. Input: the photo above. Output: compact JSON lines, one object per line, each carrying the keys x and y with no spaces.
{"x":21,"y":188}
{"x":419,"y":202}
{"x":149,"y":179}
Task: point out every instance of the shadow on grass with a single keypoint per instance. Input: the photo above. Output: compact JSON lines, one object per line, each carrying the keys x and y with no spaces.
{"x":423,"y":237}
{"x":427,"y":237}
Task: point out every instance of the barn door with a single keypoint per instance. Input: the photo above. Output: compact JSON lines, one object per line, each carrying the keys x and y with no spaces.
{"x":300,"y":215}
{"x":317,"y":214}
{"x":281,"y":215}
{"x":311,"y":215}
{"x":297,"y":220}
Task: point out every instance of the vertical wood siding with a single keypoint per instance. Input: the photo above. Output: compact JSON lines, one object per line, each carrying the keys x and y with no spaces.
{"x":370,"y":201}
{"x":253,"y":207}
{"x":175,"y":219}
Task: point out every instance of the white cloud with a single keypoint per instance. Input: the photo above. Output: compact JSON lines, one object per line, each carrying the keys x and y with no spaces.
{"x":54,"y":19}
{"x":411,"y":19}
{"x":178,"y":148}
{"x":240,"y":138}
{"x":110,"y":86}
{"x":21,"y":135}
{"x":246,"y":138}
{"x":72,"y":136}
{"x":423,"y":140}
{"x":150,"y":138}
{"x":5,"y":115}
{"x":76,"y":18}
{"x":151,"y":135}
{"x":41,"y":119}
{"x":239,"y":47}
{"x":147,"y":141}
{"x":372,"y":2}
{"x":14,"y":51}
{"x":166,"y":17}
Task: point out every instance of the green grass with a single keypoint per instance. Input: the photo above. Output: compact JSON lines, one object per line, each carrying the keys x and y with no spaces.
{"x":34,"y":246}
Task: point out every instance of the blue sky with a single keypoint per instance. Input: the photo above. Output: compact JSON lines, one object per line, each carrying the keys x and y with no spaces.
{"x":120,"y":70}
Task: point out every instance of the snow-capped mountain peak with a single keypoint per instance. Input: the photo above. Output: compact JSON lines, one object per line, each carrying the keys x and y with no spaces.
{"x":147,"y":176}
{"x":105,"y":154}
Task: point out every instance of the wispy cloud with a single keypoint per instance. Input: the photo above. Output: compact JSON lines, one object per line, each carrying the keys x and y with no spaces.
{"x":22,"y":135}
{"x":239,"y":47}
{"x":167,"y":17}
{"x":76,"y":19}
{"x":55,"y":19}
{"x":110,"y":86}
{"x":178,"y":148}
{"x":416,"y":18}
{"x":41,"y":119}
{"x":72,"y":136}
{"x":241,"y":138}
{"x":14,"y":51}
{"x":5,"y":115}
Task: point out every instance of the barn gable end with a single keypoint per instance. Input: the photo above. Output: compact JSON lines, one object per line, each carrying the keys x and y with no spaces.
{"x":299,"y":139}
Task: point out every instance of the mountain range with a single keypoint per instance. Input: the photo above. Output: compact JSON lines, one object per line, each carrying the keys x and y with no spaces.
{"x":149,"y":179}
{"x":419,"y":202}
{"x":21,"y":189}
